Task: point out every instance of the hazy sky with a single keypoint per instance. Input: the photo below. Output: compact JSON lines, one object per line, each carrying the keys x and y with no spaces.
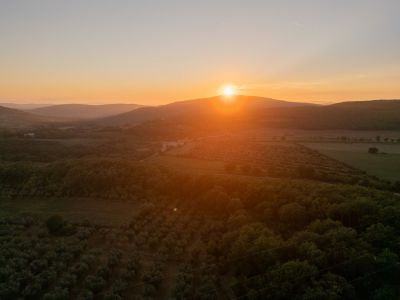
{"x":151,"y":52}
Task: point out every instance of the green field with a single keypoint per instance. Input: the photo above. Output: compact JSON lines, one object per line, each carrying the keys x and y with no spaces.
{"x":385,"y":165}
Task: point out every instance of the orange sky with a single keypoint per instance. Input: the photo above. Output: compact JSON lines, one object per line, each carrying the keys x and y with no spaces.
{"x":98,"y":92}
{"x":157,"y":52}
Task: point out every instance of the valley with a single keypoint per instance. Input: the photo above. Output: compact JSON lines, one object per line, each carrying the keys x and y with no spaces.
{"x":176,"y":208}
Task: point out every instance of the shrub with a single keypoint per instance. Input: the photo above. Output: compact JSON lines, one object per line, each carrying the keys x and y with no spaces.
{"x":373,"y":150}
{"x":55,"y":224}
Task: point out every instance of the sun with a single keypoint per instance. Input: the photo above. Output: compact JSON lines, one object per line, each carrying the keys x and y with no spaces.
{"x":228,"y":90}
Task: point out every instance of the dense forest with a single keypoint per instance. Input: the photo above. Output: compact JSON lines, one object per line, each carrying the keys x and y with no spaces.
{"x":198,"y":237}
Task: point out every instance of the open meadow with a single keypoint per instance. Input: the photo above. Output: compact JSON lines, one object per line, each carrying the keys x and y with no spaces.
{"x":385,"y":164}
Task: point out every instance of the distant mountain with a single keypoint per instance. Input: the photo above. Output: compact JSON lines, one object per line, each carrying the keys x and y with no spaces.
{"x":23,"y":106}
{"x":13,"y":118}
{"x":358,"y":115}
{"x":244,"y":111}
{"x":265,"y":112}
{"x":204,"y":106}
{"x":83,"y":111}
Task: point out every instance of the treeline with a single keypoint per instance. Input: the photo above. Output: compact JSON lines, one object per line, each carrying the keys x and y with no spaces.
{"x":105,"y":178}
{"x":84,"y":178}
{"x":36,"y":150}
{"x":13,"y":149}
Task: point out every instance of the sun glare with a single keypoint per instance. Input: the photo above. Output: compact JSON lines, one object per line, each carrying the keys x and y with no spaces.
{"x":228,"y":90}
{"x":227,"y":100}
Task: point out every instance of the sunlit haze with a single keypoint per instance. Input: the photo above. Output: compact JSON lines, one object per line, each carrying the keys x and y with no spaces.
{"x":228,"y":90}
{"x":155,"y":52}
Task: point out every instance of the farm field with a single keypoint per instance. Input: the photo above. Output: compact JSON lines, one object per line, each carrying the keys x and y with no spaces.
{"x":95,"y":261}
{"x":202,"y":168}
{"x":199,"y":242}
{"x":241,"y":156}
{"x":318,"y":135}
{"x":385,"y":166}
{"x":188,"y":164}
{"x":166,"y":228}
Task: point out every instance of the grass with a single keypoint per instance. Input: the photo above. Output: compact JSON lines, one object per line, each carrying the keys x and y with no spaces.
{"x":385,"y":166}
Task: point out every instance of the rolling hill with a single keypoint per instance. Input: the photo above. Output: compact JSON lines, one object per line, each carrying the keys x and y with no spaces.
{"x":209,"y":112}
{"x":358,"y":115}
{"x":83,"y":111}
{"x":197,"y":107}
{"x":13,"y":118}
{"x":265,"y":112}
{"x":23,"y":106}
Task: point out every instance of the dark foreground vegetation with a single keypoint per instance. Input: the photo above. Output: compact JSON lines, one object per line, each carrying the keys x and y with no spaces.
{"x":198,"y":237}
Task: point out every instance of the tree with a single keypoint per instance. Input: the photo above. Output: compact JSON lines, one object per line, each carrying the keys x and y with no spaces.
{"x":381,"y":236}
{"x":55,"y":224}
{"x":330,"y":287}
{"x":386,"y":293}
{"x":57,"y":294}
{"x":373,"y":150}
{"x":85,"y":295}
{"x":289,"y":280}
{"x":95,"y":283}
{"x":294,"y":214}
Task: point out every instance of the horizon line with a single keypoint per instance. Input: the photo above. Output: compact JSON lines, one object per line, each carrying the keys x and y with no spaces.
{"x":319,"y":102}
